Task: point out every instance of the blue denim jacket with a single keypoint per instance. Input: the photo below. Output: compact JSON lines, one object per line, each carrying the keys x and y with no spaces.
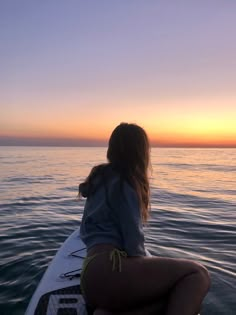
{"x":112,"y":216}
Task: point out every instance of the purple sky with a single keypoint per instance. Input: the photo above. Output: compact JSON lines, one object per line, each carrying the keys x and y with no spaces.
{"x":75,"y":69}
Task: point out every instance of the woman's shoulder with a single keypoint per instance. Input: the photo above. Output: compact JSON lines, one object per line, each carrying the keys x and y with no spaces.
{"x":109,"y":176}
{"x":102,"y":174}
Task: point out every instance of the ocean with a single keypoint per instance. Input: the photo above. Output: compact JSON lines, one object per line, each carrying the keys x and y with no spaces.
{"x":193,"y":215}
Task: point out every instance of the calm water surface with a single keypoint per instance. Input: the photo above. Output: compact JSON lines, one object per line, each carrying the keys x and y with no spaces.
{"x":193,"y":215}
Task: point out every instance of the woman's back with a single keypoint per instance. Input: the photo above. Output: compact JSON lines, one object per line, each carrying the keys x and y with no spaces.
{"x":112,"y":213}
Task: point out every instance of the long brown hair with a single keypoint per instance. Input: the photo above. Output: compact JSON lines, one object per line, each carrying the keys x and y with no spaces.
{"x":128,"y":152}
{"x":129,"y":149}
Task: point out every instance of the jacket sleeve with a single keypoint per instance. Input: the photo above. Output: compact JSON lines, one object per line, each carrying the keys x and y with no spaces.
{"x":129,"y":221}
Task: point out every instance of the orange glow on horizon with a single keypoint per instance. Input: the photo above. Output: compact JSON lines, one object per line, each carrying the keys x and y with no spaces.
{"x":166,"y":125}
{"x":156,"y":139}
{"x":194,"y":139}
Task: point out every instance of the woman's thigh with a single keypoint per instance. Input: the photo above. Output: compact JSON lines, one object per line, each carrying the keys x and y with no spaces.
{"x":142,"y":280}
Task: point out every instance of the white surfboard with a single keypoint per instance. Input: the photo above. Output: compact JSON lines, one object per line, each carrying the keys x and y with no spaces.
{"x":59,"y":290}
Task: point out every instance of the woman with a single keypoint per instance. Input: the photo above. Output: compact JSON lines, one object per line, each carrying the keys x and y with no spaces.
{"x":118,"y":277}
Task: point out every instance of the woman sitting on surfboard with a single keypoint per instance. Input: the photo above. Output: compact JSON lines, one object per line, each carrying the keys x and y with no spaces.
{"x":117,"y":276}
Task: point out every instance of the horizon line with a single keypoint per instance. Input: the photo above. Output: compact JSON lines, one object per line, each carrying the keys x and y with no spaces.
{"x":174,"y":146}
{"x":10,"y":141}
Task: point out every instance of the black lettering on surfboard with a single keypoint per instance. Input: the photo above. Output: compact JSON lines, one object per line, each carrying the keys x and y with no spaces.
{"x":66,"y":301}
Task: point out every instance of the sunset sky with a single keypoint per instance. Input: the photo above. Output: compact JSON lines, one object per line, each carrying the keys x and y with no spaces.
{"x":71,"y":70}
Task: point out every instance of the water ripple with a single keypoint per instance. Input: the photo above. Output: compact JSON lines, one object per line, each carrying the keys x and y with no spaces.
{"x":193,"y":215}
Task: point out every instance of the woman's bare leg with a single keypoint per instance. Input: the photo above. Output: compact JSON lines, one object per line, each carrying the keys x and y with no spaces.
{"x":101,"y":312}
{"x":184,"y":290}
{"x":149,"y":309}
{"x":146,"y":280}
{"x":134,"y":312}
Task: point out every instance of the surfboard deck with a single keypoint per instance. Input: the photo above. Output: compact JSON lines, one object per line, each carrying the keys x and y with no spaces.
{"x":58,"y":292}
